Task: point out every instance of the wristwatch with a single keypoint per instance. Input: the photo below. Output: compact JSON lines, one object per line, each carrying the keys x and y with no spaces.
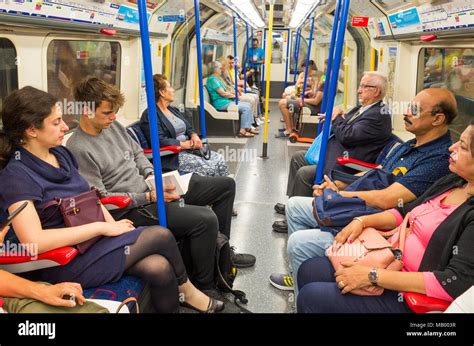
{"x":373,"y":276}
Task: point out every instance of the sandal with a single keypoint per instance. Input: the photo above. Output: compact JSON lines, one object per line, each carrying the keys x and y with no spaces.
{"x":246,"y":134}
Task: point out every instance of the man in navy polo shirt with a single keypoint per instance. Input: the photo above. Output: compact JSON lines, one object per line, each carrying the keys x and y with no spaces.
{"x":416,"y":165}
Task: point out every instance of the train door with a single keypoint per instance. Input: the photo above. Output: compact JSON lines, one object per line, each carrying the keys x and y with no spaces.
{"x":277,"y":57}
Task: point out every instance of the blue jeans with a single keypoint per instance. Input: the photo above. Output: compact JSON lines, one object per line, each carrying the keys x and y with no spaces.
{"x":319,"y":293}
{"x":305,"y":240}
{"x":245,"y":113}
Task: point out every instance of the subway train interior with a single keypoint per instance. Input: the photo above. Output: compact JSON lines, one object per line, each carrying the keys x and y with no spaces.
{"x":288,"y":131}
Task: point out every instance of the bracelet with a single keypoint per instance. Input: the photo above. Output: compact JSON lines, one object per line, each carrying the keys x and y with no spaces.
{"x":360,"y":220}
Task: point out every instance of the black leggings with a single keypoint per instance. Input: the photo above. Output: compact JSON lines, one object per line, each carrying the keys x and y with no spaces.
{"x":156,"y":259}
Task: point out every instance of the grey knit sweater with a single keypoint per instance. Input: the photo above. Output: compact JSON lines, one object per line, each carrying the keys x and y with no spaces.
{"x":112,"y":162}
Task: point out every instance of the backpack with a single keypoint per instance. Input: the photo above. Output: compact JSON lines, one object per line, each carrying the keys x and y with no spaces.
{"x":225,"y":269}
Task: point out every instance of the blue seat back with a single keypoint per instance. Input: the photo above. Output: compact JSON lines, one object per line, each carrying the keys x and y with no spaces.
{"x":137,"y":135}
{"x":393,"y":142}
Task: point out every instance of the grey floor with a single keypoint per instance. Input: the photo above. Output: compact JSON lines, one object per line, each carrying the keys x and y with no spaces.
{"x":260,"y":184}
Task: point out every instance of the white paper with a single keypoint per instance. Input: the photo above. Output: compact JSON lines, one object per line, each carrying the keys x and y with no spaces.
{"x":172,"y":178}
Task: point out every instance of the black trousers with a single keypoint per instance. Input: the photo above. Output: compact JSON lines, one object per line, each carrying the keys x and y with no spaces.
{"x":301,"y":176}
{"x":193,"y":223}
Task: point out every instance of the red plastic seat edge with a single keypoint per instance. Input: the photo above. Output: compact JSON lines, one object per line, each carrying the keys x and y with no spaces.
{"x":344,"y":161}
{"x":420,"y":303}
{"x":61,"y":256}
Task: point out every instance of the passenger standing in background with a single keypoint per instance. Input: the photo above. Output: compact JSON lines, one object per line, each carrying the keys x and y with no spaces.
{"x":257,"y":59}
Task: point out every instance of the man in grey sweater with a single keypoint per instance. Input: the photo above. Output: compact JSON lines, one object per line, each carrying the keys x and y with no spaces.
{"x":111,"y":161}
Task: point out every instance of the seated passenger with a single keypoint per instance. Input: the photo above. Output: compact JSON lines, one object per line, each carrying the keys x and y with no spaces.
{"x":290,"y":106}
{"x":18,"y":295}
{"x":416,"y":165}
{"x":37,"y":169}
{"x":361,"y":133}
{"x":221,"y":99}
{"x":115,"y":164}
{"x":228,"y":76}
{"x":442,"y":220}
{"x":174,"y":129}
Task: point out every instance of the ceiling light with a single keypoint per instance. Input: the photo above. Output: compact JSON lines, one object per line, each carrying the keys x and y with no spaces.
{"x":247,"y":11}
{"x":301,"y":11}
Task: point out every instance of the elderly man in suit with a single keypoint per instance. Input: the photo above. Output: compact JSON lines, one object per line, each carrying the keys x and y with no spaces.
{"x":360,"y":133}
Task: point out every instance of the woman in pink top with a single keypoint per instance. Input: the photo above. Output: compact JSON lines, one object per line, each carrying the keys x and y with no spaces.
{"x":438,"y":257}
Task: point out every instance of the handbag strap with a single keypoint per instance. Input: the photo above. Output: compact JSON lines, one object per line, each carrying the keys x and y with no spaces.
{"x":404,"y":231}
{"x":55,"y":202}
{"x":128,"y":300}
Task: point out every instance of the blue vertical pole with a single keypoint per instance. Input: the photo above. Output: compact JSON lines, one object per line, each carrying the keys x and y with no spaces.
{"x":307,"y":60}
{"x":337,"y":14}
{"x":199,"y":56}
{"x":341,"y":31}
{"x":266,"y":62}
{"x":236,"y":73}
{"x":298,"y":42}
{"x":246,"y":56}
{"x":150,"y":96}
{"x":288,"y":40}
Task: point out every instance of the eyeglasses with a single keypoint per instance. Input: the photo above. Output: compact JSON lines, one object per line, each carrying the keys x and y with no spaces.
{"x":415,"y":109}
{"x":365,"y":86}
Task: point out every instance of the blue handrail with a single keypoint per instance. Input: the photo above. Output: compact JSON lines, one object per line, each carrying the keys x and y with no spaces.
{"x":288,"y":40}
{"x":263,"y":85}
{"x":236,"y":72}
{"x":199,"y":56}
{"x":337,"y":14}
{"x":297,"y":56}
{"x":244,"y":63}
{"x":307,"y":61}
{"x":341,"y":31}
{"x":150,"y":96}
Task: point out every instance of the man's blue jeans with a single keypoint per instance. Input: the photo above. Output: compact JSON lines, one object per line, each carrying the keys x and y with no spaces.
{"x":305,"y":239}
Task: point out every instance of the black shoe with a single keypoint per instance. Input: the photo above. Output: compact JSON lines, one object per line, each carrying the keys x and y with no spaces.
{"x":280,"y":208}
{"x":280,"y":226}
{"x":242,"y":260}
{"x":213,"y":307}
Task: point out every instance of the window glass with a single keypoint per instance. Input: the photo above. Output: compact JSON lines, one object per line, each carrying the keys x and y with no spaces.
{"x":301,"y":56}
{"x":180,"y":47}
{"x":451,"y":68}
{"x":8,"y":69}
{"x":69,"y":62}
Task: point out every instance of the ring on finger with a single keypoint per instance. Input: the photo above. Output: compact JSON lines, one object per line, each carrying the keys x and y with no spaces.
{"x":341,"y":284}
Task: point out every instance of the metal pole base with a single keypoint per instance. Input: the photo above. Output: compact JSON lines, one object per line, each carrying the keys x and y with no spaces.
{"x":264,"y":154}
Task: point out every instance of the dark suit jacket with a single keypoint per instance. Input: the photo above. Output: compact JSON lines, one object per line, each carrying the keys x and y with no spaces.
{"x":362,"y":139}
{"x":167,"y":135}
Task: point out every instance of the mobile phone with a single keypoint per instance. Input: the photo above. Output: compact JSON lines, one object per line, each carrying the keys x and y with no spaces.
{"x":10,"y":218}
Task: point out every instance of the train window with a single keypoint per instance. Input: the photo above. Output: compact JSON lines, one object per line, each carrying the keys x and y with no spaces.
{"x":302,"y":53}
{"x":451,"y":68}
{"x":8,"y":69}
{"x":181,"y":38}
{"x":70,"y":61}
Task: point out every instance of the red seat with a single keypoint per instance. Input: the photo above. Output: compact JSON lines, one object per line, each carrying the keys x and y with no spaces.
{"x":61,"y":256}
{"x":356,"y":164}
{"x":23,"y":263}
{"x":420,"y":303}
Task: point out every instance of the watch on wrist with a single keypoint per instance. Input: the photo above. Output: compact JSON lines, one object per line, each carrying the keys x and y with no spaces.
{"x":373,"y":276}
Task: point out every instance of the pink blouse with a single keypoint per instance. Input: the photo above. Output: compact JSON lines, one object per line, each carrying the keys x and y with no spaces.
{"x":425,"y":220}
